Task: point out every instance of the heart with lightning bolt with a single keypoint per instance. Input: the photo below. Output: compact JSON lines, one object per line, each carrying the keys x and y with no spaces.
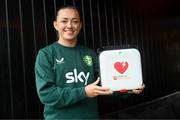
{"x":121,"y":67}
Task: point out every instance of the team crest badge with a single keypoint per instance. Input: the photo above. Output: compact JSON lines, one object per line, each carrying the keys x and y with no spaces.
{"x":88,"y":60}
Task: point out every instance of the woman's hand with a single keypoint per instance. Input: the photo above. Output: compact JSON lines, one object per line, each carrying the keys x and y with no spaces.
{"x":137,"y":91}
{"x":93,"y":90}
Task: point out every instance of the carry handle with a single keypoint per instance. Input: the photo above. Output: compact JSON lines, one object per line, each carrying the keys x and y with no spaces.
{"x":99,"y":50}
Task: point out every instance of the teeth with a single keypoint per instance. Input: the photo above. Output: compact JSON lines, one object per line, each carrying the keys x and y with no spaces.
{"x":69,"y":31}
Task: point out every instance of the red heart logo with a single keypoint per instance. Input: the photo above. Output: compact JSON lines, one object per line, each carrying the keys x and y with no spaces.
{"x":121,"y":67}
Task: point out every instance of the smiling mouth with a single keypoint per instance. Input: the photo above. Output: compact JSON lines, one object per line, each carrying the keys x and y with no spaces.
{"x":70,"y":31}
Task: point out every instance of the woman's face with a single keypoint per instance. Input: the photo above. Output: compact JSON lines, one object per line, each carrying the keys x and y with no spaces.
{"x":68,"y":24}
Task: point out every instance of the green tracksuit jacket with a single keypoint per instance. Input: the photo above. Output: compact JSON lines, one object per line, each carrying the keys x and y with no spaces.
{"x":61,"y":76}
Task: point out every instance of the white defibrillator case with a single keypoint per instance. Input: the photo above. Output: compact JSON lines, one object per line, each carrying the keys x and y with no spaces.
{"x":120,"y":69}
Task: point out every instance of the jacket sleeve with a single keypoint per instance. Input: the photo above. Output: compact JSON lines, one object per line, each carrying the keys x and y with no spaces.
{"x":49,"y":93}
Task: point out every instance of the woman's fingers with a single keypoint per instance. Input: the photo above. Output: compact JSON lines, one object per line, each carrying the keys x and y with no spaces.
{"x":137,"y":91}
{"x":103,"y":90}
{"x":93,"y":90}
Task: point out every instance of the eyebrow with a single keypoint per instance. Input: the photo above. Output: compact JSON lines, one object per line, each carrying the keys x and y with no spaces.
{"x":68,"y":18}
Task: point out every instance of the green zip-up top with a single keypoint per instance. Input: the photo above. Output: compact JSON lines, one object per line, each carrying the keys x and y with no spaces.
{"x":61,"y":76}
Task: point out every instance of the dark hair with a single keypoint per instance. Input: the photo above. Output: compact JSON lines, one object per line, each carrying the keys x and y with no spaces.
{"x":70,"y":7}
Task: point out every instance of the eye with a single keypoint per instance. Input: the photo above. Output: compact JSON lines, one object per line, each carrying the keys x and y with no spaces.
{"x":63,"y":21}
{"x":75,"y":21}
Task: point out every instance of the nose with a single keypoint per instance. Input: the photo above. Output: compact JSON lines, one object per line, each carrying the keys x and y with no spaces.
{"x":69,"y":24}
